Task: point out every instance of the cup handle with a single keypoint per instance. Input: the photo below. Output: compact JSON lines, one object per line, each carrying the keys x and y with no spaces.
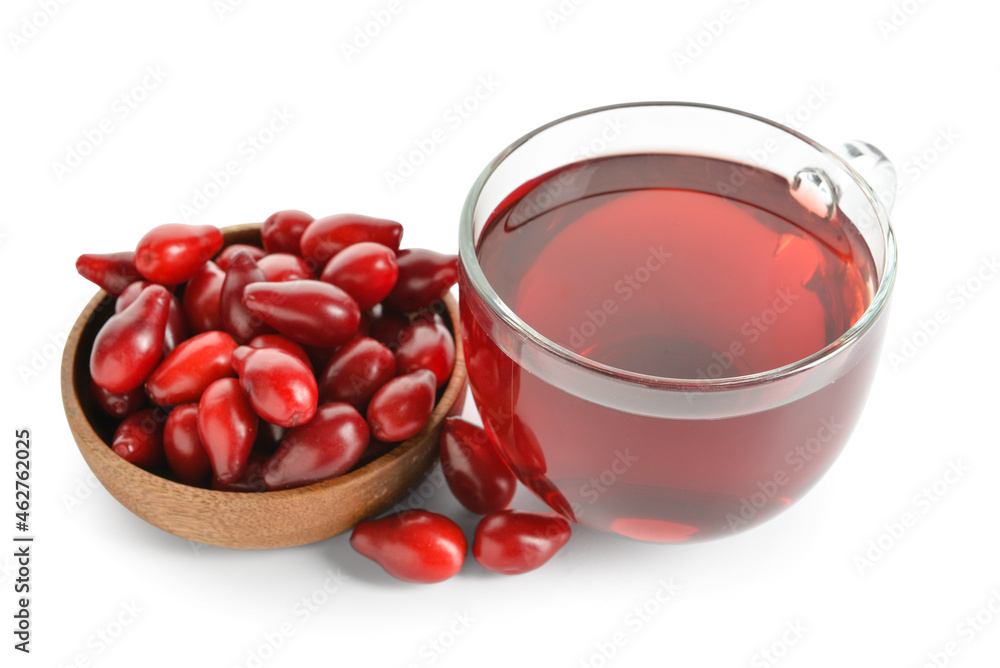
{"x":874,"y":168}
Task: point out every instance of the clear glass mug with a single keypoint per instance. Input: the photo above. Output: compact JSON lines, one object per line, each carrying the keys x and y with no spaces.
{"x":668,"y":459}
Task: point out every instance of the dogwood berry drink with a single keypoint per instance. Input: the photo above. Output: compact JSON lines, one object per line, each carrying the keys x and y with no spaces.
{"x":671,"y":332}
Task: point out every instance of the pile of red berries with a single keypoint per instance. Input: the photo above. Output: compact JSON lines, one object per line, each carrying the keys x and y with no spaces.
{"x":275,"y":367}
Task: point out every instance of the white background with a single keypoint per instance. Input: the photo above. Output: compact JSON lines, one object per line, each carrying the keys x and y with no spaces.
{"x":224,"y":74}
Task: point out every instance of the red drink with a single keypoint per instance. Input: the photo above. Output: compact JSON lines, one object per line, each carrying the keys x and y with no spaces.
{"x":679,"y":267}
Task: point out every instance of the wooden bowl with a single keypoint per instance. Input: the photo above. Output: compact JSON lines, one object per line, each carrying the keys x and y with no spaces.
{"x":245,"y":520}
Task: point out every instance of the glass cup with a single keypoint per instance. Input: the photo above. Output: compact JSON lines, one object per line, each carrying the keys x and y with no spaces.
{"x":673,"y":459}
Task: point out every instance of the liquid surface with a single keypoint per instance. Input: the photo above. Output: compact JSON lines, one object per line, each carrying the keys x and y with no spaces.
{"x":675,"y":282}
